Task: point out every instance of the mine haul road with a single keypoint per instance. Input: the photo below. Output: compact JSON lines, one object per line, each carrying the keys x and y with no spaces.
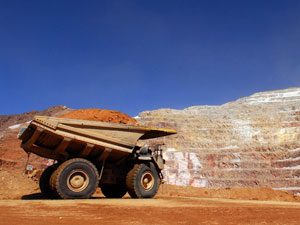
{"x":163,"y":210}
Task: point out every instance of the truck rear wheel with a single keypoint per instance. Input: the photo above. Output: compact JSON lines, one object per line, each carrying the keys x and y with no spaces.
{"x":75,"y":178}
{"x":113,"y":190}
{"x":44,"y":182}
{"x":143,"y":181}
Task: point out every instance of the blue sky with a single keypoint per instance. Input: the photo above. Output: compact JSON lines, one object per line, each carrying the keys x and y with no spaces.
{"x":143,"y":55}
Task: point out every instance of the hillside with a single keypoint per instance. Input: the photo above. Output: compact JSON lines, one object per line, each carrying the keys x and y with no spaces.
{"x":251,"y":142}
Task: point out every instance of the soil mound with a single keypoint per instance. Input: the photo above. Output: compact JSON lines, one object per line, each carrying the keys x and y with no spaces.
{"x":103,"y":115}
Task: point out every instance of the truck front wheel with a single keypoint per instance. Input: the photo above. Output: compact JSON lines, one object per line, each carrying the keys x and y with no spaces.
{"x":143,"y":181}
{"x":75,"y":178}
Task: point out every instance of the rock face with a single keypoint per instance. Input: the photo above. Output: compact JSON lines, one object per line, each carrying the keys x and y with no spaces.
{"x":252,"y":142}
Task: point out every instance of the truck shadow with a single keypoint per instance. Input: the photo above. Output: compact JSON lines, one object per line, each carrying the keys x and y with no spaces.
{"x":40,"y":196}
{"x":34,"y":196}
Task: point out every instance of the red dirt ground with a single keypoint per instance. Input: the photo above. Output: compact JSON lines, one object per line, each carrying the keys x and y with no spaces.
{"x":164,"y":210}
{"x":103,"y":115}
{"x":172,"y":205}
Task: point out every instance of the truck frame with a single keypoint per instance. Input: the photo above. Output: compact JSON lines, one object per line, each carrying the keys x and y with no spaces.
{"x":92,"y":154}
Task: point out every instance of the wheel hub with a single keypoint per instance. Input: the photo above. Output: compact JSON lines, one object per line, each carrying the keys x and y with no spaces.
{"x":78,"y":180}
{"x":147,"y":181}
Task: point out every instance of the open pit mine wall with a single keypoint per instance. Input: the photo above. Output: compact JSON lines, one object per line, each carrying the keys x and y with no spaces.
{"x":252,"y":142}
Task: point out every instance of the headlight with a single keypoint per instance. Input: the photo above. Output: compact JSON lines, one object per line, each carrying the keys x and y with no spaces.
{"x":21,"y":132}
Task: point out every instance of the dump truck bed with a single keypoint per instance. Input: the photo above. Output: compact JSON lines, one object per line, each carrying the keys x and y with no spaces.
{"x":61,"y":139}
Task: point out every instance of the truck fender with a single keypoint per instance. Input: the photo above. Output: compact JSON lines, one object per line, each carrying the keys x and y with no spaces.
{"x":158,"y":161}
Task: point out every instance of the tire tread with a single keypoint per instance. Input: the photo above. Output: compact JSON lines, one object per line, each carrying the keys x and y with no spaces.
{"x":55,"y":181}
{"x":131,"y":180}
{"x":132,"y":184}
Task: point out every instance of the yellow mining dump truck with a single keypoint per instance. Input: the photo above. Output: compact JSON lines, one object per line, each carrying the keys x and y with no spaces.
{"x":91,"y":154}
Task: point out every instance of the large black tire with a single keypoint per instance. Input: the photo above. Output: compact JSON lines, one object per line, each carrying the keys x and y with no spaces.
{"x":113,"y":190}
{"x":75,"y":178}
{"x":52,"y":183}
{"x":44,"y":182}
{"x":143,"y":181}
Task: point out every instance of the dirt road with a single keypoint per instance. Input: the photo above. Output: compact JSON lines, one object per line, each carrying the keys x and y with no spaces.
{"x":172,"y":205}
{"x":166,"y":210}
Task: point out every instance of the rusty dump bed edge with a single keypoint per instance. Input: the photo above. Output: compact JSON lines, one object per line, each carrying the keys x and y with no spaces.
{"x":57,"y":138}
